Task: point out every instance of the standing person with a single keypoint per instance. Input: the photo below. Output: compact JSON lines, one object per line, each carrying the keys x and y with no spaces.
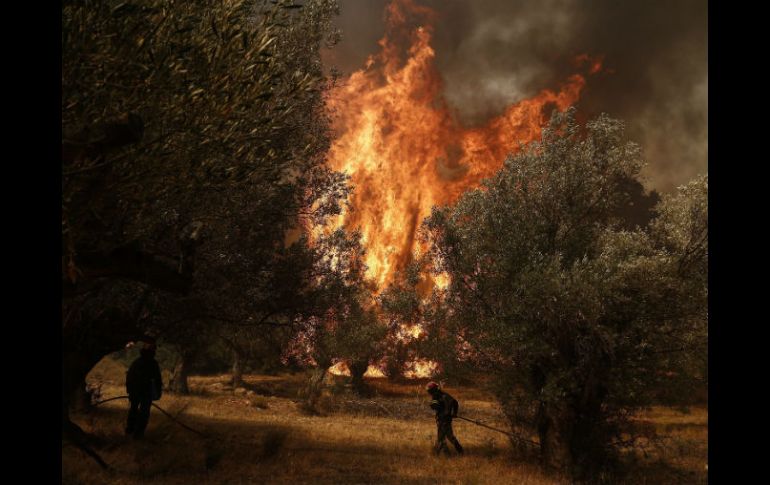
{"x":144,"y":385}
{"x":446,"y":408}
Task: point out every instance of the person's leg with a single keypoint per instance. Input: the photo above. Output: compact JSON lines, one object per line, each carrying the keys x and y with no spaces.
{"x":451,"y":436}
{"x":437,"y":446}
{"x":143,"y":416}
{"x":441,"y":439}
{"x":133,"y":410}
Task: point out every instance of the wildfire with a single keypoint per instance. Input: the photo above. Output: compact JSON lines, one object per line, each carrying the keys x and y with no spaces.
{"x":421,"y":368}
{"x":404,"y":150}
{"x":342,"y":369}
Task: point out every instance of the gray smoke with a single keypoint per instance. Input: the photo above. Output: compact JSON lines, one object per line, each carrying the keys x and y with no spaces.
{"x":491,"y":53}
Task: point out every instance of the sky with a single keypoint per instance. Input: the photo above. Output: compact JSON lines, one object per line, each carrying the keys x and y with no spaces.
{"x":491,"y":53}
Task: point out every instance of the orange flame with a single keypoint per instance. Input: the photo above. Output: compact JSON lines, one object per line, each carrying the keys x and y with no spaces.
{"x":421,"y":368}
{"x":404,"y":150}
{"x":342,"y":369}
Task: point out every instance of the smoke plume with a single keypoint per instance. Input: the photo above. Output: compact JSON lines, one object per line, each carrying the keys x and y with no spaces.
{"x":492,"y":53}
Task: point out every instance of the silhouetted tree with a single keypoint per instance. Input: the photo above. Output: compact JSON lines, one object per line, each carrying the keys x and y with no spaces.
{"x":193,"y":143}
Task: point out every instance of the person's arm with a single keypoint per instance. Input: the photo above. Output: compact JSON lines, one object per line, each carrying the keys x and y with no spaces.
{"x":455,"y":407}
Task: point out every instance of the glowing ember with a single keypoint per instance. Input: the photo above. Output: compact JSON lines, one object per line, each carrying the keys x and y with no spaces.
{"x":403,"y":149}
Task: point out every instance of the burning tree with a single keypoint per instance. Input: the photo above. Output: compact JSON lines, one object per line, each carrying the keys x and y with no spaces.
{"x":193,"y":142}
{"x":577,"y":320}
{"x":403,"y":310}
{"x":349,"y":330}
{"x":358,"y":335}
{"x":400,"y":143}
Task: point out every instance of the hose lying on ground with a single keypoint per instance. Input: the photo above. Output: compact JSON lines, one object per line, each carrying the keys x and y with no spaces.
{"x":74,"y":434}
{"x":534,"y":443}
{"x":80,"y":443}
{"x":104,"y":465}
{"x":161,"y":410}
{"x":478,"y":423}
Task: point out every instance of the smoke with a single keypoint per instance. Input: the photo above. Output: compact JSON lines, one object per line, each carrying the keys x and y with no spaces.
{"x":491,"y":53}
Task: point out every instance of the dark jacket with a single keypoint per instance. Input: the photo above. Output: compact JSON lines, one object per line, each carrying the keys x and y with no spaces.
{"x":446,"y":406}
{"x":143,"y":380}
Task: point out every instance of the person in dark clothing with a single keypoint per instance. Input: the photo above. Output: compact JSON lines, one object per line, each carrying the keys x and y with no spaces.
{"x":144,"y":385}
{"x":446,"y":408}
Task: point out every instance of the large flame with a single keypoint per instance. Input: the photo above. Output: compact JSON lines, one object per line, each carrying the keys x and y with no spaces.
{"x":404,"y":150}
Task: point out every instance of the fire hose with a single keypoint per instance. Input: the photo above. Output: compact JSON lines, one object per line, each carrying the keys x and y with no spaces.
{"x":507,"y":433}
{"x":87,"y":449}
{"x":169,"y":416}
{"x":477,"y":423}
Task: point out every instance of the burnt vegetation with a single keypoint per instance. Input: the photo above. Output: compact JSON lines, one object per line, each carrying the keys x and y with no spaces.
{"x":197,"y":206}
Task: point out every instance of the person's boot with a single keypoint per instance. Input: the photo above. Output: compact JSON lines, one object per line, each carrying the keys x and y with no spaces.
{"x":458,"y":447}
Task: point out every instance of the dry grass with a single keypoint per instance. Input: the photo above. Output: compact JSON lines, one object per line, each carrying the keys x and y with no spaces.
{"x":383,"y":439}
{"x":681,"y":453}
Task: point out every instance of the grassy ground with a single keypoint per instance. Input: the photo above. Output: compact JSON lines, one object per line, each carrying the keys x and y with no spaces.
{"x":266,"y":437}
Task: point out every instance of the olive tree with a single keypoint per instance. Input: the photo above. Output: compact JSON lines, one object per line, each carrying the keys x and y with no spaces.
{"x":577,"y":320}
{"x":193,"y":142}
{"x":403,"y":309}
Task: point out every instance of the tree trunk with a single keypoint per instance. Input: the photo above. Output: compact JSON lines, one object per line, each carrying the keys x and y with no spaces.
{"x":554,"y":427}
{"x":81,"y":400}
{"x":237,"y":379}
{"x":573,"y":435}
{"x":315,"y":388}
{"x":318,"y":375}
{"x":396,"y":362}
{"x":573,"y":429}
{"x":75,"y":367}
{"x":178,"y":382}
{"x":591,"y":432}
{"x":357,"y":371}
{"x":84,"y":344}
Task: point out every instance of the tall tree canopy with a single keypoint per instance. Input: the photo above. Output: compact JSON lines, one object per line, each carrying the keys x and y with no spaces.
{"x":576,"y":318}
{"x":193,"y":142}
